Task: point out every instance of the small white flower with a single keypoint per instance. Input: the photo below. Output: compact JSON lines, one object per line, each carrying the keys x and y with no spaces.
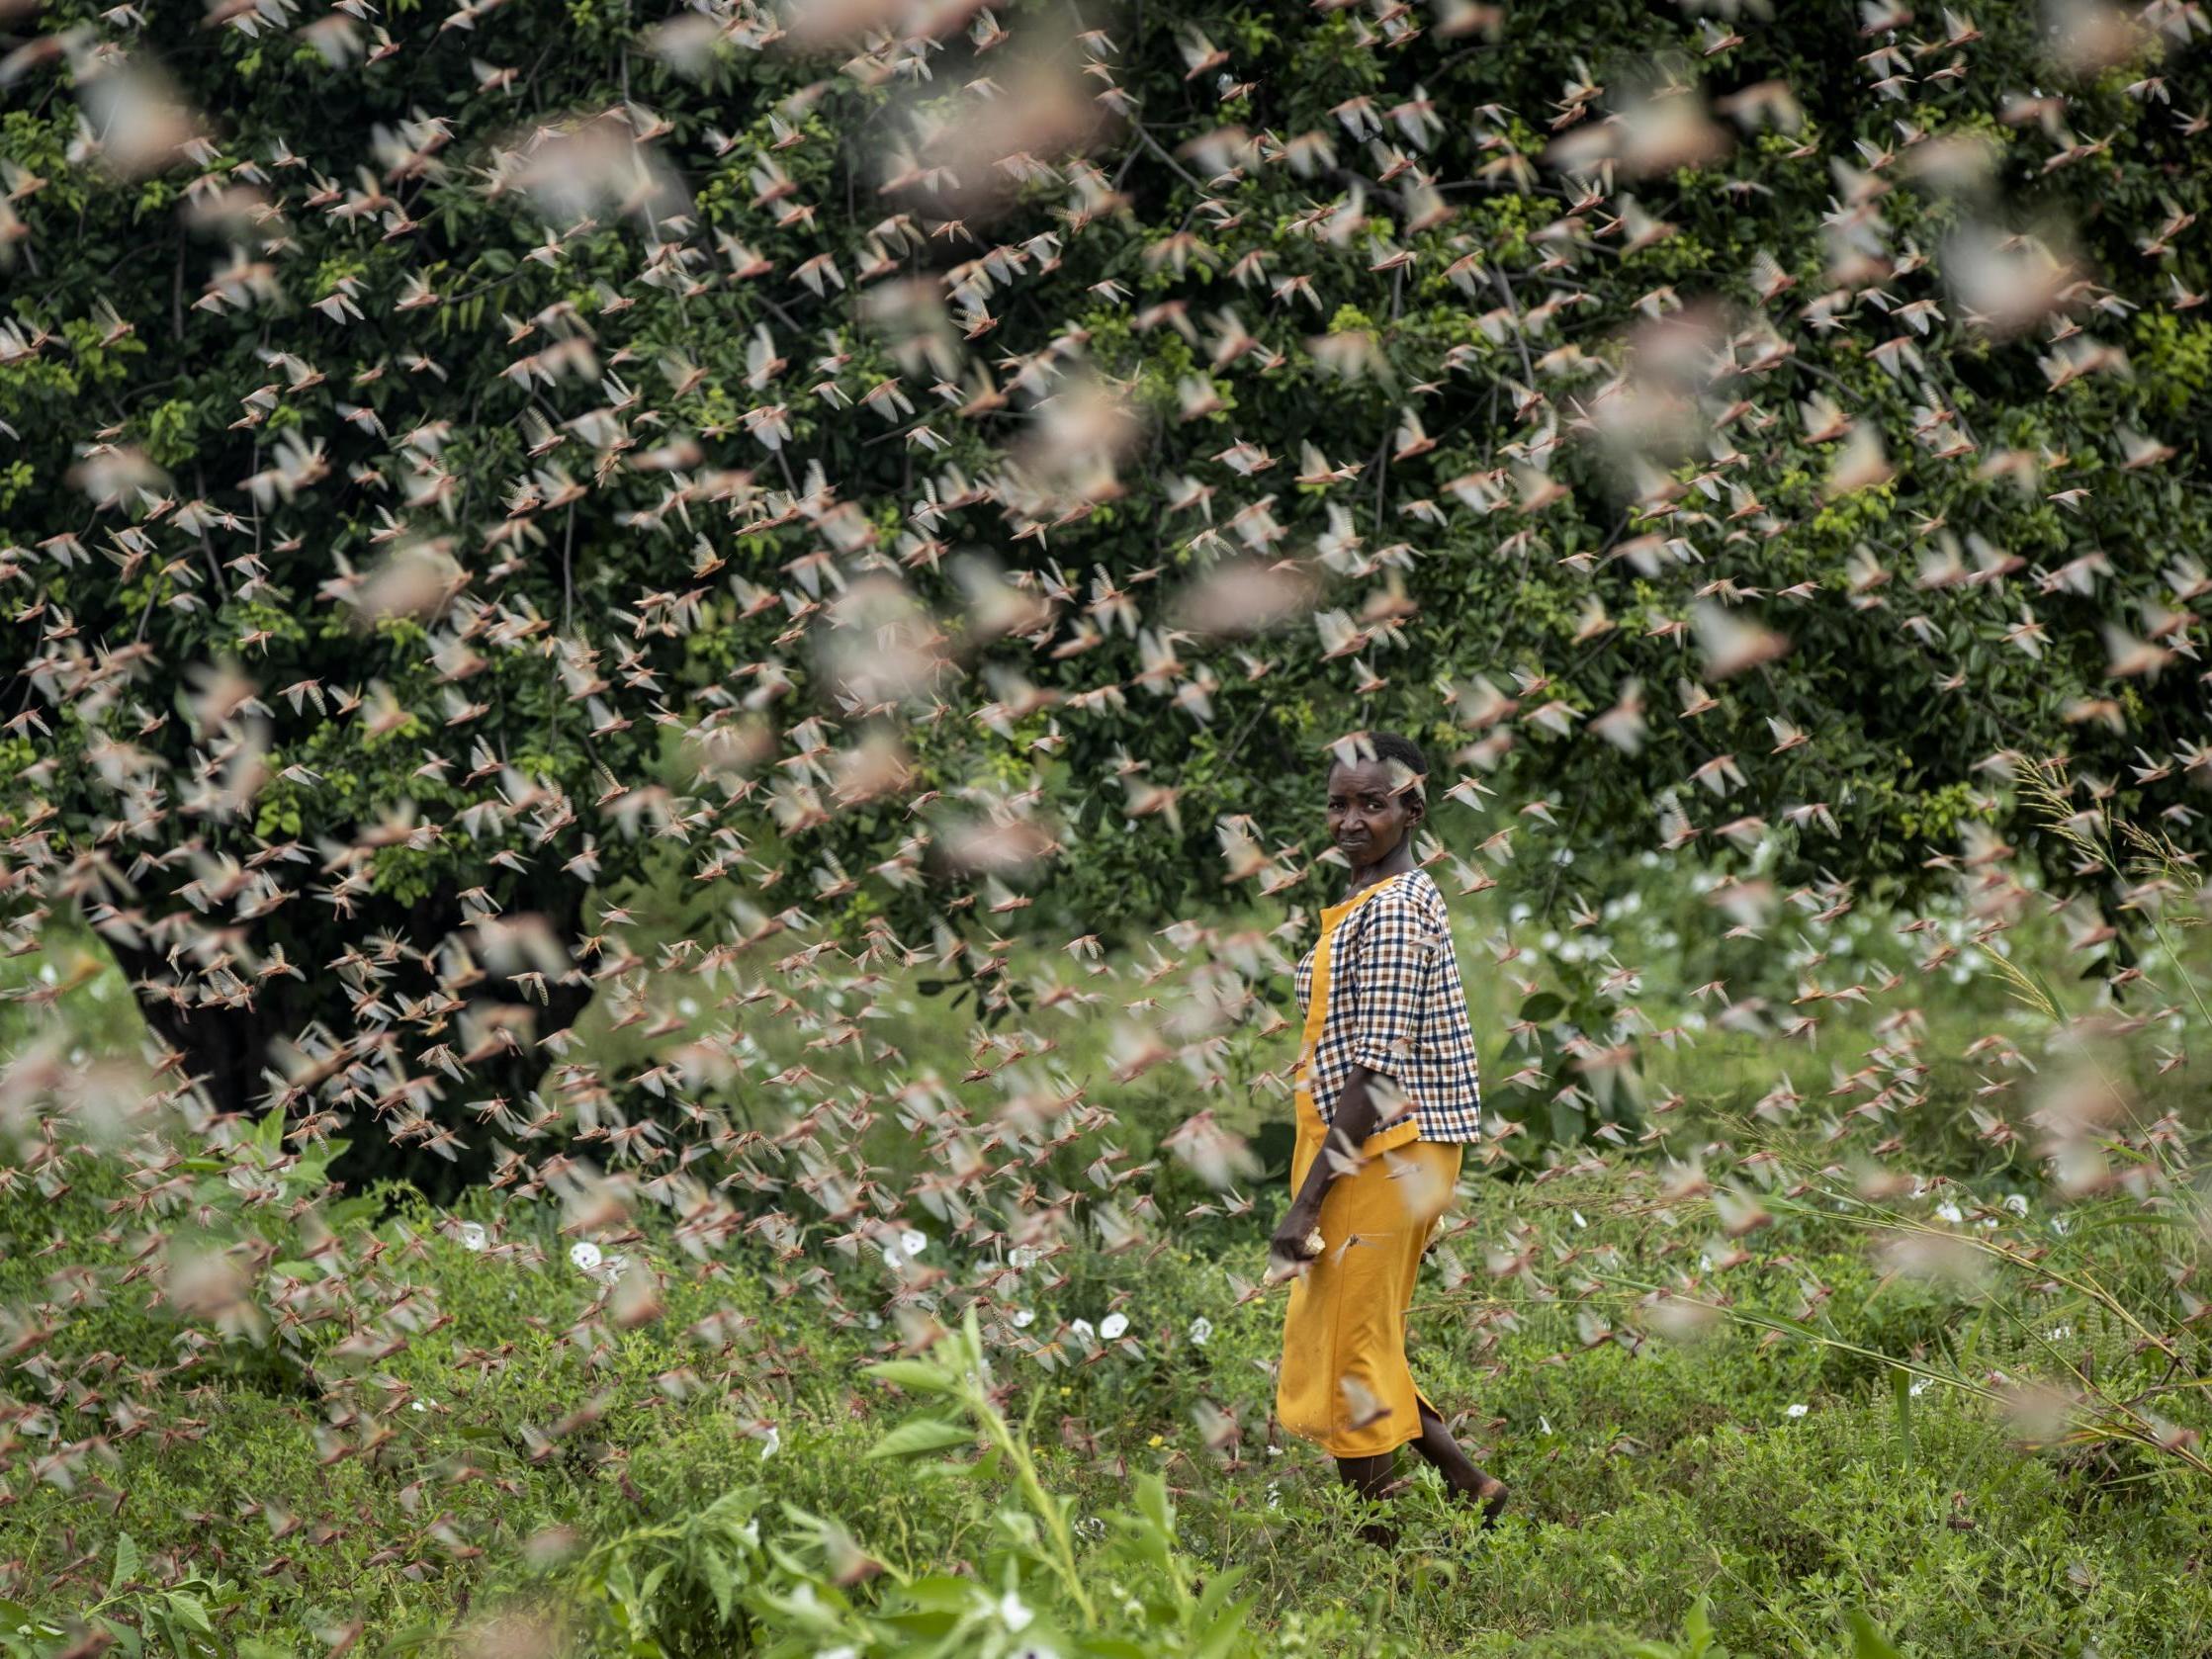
{"x":473,"y":1235}
{"x":1024,"y":1319}
{"x":1113,"y":1325}
{"x":1795,"y":1411}
{"x":2058,"y":1333}
{"x":1012,"y":1614}
{"x":583,"y":1255}
{"x":914,"y":1242}
{"x":1201,"y":1330}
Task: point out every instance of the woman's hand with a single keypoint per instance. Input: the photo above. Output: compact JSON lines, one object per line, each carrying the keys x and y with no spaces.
{"x":1296,"y":1240}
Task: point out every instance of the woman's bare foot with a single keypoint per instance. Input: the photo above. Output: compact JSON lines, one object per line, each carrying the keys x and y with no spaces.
{"x":1491,"y":1493}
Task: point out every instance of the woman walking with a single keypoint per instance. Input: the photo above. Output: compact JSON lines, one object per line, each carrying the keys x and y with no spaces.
{"x":1385,"y":1093}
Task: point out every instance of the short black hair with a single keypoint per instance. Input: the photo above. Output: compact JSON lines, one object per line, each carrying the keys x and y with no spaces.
{"x":1384,"y":746}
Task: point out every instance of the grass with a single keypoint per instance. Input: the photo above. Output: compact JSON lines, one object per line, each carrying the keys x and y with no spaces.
{"x":504,"y":1410}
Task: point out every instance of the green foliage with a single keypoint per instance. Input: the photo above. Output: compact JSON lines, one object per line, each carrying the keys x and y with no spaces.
{"x":1898,"y":701}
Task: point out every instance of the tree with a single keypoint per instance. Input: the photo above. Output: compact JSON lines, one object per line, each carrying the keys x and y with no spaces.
{"x":451,"y":463}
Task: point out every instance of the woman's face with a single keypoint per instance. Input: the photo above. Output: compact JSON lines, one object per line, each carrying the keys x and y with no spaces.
{"x":1366,"y":822}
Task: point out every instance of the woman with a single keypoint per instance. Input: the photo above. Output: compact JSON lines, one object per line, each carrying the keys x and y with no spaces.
{"x":1386,"y":1067}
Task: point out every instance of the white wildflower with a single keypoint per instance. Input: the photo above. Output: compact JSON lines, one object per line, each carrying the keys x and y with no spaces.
{"x":1201,"y":1330}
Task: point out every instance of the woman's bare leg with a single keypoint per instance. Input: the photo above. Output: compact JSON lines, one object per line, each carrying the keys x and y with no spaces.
{"x":1468,"y":1483}
{"x":1370,"y":1477}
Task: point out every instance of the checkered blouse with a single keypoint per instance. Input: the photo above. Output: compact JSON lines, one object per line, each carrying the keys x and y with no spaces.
{"x":1397,"y":1008}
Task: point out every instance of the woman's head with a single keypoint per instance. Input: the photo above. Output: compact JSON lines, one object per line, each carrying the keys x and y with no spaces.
{"x":1376,"y":796}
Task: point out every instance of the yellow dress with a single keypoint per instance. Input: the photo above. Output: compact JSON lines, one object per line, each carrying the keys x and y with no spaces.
{"x":1344,"y":1383}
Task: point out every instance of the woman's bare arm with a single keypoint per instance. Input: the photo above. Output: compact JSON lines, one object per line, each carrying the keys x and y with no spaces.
{"x":1356,"y":1116}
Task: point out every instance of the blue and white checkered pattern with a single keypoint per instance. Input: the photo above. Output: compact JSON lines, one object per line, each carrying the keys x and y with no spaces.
{"x":1397,"y":1008}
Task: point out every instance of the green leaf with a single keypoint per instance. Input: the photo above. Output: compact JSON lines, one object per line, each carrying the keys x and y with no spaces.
{"x":127,"y":1563}
{"x":1868,"y":1642}
{"x":720,"y":1581}
{"x":1220,"y":1637}
{"x":918,"y":1376}
{"x":191,"y":1609}
{"x":1544,"y":1006}
{"x":1566,"y":1123}
{"x":940,"y":1592}
{"x":920,"y":1437}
